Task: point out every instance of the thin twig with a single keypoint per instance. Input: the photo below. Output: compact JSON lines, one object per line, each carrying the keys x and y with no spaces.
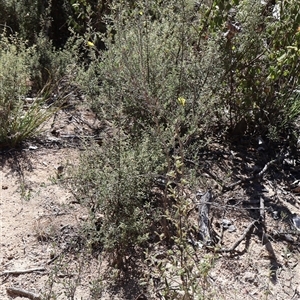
{"x":20,"y":210}
{"x":267,"y":165}
{"x":265,"y":238}
{"x":18,"y":272}
{"x":262,"y":210}
{"x":222,"y":231}
{"x":49,"y":262}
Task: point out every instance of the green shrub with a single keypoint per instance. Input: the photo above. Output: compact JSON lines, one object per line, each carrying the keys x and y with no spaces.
{"x":20,"y":119}
{"x":23,"y":17}
{"x":48,"y":64}
{"x":151,"y":63}
{"x":152,"y":85}
{"x":171,"y":75}
{"x":114,"y":183}
{"x":260,"y":67}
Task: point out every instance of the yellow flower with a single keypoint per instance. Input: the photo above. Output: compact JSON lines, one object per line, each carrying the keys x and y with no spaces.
{"x":181,"y":101}
{"x":90,"y":44}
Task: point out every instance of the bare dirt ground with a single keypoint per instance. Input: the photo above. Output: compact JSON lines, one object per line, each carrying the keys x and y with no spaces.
{"x":39,"y":217}
{"x":35,"y":207}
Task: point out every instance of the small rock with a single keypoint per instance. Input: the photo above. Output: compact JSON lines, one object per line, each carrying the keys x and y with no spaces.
{"x":31,"y":147}
{"x":296,"y":221}
{"x":261,"y":144}
{"x":52,"y":254}
{"x":249,"y":277}
{"x":231,"y":228}
{"x":260,"y":141}
{"x":59,"y":171}
{"x":83,"y":217}
{"x":10,"y":256}
{"x":226,"y":223}
{"x":289,"y":238}
{"x":275,"y":215}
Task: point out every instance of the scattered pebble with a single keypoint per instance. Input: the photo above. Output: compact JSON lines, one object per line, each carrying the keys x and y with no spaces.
{"x":227,"y":225}
{"x":31,"y":147}
{"x":249,"y":277}
{"x":275,"y":215}
{"x":296,"y":221}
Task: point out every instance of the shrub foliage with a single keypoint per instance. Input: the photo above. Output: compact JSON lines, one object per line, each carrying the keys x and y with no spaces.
{"x":176,"y":73}
{"x":173,"y":74}
{"x":21,"y":117}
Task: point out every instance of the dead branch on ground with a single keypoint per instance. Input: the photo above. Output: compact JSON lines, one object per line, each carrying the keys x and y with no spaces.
{"x":13,"y":291}
{"x":259,"y":175}
{"x":265,"y":239}
{"x":242,"y":237}
{"x":18,"y":272}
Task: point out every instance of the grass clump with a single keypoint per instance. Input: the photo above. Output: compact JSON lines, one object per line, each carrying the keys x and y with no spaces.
{"x":20,"y":117}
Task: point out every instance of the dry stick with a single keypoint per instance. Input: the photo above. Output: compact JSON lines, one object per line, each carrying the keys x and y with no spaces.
{"x":265,"y":239}
{"x":262,"y":210}
{"x":22,"y":293}
{"x":259,"y":175}
{"x":232,"y":248}
{"x":49,"y":262}
{"x":18,"y":272}
{"x":222,"y":231}
{"x":265,"y":168}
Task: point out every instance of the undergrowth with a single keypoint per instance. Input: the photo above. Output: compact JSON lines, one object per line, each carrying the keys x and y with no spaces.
{"x":21,"y":117}
{"x":173,"y":76}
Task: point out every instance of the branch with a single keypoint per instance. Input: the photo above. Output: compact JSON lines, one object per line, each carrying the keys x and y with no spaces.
{"x":256,"y":176}
{"x":262,"y":210}
{"x":267,"y":165}
{"x":265,"y":238}
{"x":18,"y":272}
{"x":233,"y":247}
{"x":49,"y":262}
{"x":12,"y":291}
